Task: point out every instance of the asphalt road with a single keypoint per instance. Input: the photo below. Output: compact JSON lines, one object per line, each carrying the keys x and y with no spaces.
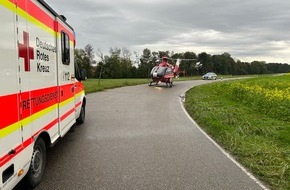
{"x":140,"y":138}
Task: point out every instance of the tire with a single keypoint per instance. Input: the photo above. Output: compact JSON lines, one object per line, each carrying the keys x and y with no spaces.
{"x":37,"y":165}
{"x":82,"y":117}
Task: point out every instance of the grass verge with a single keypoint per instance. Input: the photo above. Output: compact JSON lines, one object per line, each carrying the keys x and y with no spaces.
{"x":96,"y":85}
{"x":256,"y":138}
{"x":93,"y":85}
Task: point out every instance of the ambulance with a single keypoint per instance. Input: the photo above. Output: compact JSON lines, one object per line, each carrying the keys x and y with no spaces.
{"x":41,"y":93}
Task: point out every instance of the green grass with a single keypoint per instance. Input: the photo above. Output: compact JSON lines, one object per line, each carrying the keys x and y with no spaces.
{"x":93,"y":85}
{"x":234,"y":118}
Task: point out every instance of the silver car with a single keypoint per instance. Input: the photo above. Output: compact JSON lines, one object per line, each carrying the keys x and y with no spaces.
{"x":209,"y":76}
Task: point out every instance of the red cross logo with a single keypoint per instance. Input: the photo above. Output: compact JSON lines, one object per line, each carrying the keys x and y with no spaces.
{"x":25,"y":51}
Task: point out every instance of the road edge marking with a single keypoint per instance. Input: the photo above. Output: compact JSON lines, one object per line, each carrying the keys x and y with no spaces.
{"x":250,"y":175}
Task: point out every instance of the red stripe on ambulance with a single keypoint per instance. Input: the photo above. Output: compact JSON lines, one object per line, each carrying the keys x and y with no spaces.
{"x":8,"y":116}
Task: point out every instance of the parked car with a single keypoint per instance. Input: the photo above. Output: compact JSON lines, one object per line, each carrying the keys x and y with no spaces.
{"x":209,"y":76}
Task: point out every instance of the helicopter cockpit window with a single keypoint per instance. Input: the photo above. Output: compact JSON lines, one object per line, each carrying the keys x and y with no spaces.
{"x":168,"y":71}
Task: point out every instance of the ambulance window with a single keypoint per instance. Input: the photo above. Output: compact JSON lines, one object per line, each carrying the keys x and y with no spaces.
{"x":65,"y":48}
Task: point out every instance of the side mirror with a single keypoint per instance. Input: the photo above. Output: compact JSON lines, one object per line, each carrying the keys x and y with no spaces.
{"x":80,"y":74}
{"x":83,"y":74}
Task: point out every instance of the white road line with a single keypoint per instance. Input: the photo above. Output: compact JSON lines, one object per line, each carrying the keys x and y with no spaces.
{"x":182,"y":100}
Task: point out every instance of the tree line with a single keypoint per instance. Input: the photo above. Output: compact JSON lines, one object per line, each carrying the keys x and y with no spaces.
{"x":120,"y":64}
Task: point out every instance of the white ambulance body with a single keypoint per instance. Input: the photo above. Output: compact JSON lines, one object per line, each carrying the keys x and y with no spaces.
{"x":41,"y":94}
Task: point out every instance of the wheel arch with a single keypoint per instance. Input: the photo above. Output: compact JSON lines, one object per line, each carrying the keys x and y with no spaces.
{"x":46,"y":138}
{"x":84,"y":101}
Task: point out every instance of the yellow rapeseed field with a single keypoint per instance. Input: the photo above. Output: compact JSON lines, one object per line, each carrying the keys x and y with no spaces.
{"x":270,"y":97}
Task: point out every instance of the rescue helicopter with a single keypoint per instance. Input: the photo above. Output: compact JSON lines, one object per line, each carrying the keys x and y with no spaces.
{"x":165,"y":72}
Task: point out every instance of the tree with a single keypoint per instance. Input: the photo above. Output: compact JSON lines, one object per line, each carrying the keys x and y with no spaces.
{"x":222,"y":64}
{"x":163,"y":53}
{"x":89,"y":51}
{"x":206,"y":61}
{"x":100,"y":66}
{"x":126,"y":63}
{"x":258,"y":67}
{"x":83,"y":61}
{"x":118,"y":63}
{"x":147,"y":62}
{"x":189,"y":65}
{"x":79,"y":56}
{"x":242,"y":68}
{"x":114,"y":64}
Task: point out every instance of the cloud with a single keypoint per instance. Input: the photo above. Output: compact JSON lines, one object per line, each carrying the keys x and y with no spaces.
{"x":248,"y":30}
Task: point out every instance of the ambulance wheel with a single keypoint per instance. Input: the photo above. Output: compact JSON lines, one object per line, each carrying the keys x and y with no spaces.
{"x":37,"y":165}
{"x":82,"y":117}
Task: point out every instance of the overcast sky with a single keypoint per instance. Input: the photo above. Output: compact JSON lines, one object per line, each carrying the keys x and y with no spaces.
{"x":247,"y":29}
